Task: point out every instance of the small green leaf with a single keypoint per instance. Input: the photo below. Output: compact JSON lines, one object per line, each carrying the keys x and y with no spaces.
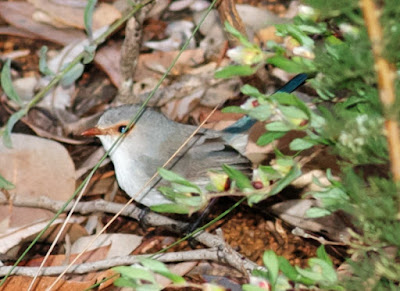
{"x":262,"y":112}
{"x":296,"y":33}
{"x":153,"y":265}
{"x":251,"y":91}
{"x":278,"y":126}
{"x":43,"y":68}
{"x":90,"y":53}
{"x":293,"y":112}
{"x":14,"y":118}
{"x":309,"y":274}
{"x":124,"y":282}
{"x":285,"y":64}
{"x":323,"y":255}
{"x":88,"y":17}
{"x":316,"y":212}
{"x":326,"y":269}
{"x":235,"y":70}
{"x":243,"y":40}
{"x":175,"y":178}
{"x":270,"y":172}
{"x":170,"y":176}
{"x":249,"y":287}
{"x":186,"y":188}
{"x":172,"y":208}
{"x":294,"y":173}
{"x":270,"y":260}
{"x":242,"y":181}
{"x":234,"y":109}
{"x":269,"y":137}
{"x":135,"y":273}
{"x":160,"y":268}
{"x":7,"y":85}
{"x":289,"y":271}
{"x":299,"y":144}
{"x":72,"y":75}
{"x":5,"y":184}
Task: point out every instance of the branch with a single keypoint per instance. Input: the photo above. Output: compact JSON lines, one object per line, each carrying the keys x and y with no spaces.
{"x":232,"y":257}
{"x":386,"y":75}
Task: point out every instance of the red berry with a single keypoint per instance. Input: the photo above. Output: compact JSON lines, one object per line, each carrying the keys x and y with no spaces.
{"x":257,"y":184}
{"x":227,"y":184}
{"x":304,"y":122}
{"x":255,"y":103}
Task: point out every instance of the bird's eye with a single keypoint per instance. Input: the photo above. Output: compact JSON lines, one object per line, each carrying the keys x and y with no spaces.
{"x":122,"y":129}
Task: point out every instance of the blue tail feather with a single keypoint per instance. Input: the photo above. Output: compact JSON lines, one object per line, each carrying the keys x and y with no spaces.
{"x":246,"y":122}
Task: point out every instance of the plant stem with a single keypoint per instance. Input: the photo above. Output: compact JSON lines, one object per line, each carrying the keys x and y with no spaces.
{"x":386,"y":75}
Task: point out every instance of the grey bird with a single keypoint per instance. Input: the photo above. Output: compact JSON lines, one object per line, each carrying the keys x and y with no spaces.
{"x":151,"y":141}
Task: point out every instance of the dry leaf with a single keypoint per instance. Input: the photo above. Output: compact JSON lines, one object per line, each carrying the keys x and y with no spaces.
{"x":19,"y":14}
{"x":37,"y":167}
{"x":121,"y":244}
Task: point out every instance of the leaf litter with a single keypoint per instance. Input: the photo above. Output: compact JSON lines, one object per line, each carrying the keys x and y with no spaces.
{"x":189,"y":91}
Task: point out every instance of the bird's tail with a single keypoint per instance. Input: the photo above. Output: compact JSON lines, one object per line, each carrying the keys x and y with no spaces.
{"x":236,"y":134}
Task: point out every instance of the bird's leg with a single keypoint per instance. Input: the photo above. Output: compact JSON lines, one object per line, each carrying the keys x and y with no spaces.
{"x":200,"y":219}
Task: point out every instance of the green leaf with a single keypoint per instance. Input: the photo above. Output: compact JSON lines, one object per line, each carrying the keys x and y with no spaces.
{"x":175,"y":178}
{"x":316,"y":212}
{"x":248,"y":287}
{"x":235,"y":70}
{"x":289,"y":271}
{"x":43,"y":68}
{"x":168,"y":192}
{"x":285,"y":64}
{"x":251,"y":91}
{"x":299,"y":144}
{"x":124,"y":282}
{"x":294,"y":173}
{"x":242,"y":181}
{"x":309,"y":274}
{"x":6,"y":83}
{"x":296,"y":33}
{"x":88,"y":17}
{"x":323,"y":255}
{"x":170,"y":176}
{"x":183,"y":188}
{"x":269,"y":137}
{"x":293,"y":112}
{"x":329,"y":276}
{"x":262,"y":112}
{"x":234,"y":109}
{"x":14,"y":118}
{"x":90,"y":53}
{"x":229,"y":28}
{"x":270,"y":260}
{"x":278,"y":126}
{"x":135,"y":273}
{"x":5,"y":184}
{"x":72,"y":75}
{"x":172,"y":208}
{"x":160,"y":268}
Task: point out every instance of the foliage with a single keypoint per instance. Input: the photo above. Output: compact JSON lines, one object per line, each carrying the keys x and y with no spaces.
{"x":280,"y":275}
{"x":142,"y":276}
{"x":329,"y":41}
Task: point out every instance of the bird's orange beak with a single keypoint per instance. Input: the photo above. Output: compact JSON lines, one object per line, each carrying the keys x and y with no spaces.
{"x":92,"y":132}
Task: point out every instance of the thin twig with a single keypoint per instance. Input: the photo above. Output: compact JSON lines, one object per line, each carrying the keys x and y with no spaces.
{"x":386,"y":76}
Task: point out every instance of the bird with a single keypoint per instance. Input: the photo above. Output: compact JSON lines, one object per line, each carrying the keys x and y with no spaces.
{"x":150,"y":142}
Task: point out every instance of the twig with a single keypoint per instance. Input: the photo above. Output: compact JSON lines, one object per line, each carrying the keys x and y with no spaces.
{"x":386,"y":75}
{"x":211,"y":254}
{"x":233,"y":258}
{"x":129,"y":55}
